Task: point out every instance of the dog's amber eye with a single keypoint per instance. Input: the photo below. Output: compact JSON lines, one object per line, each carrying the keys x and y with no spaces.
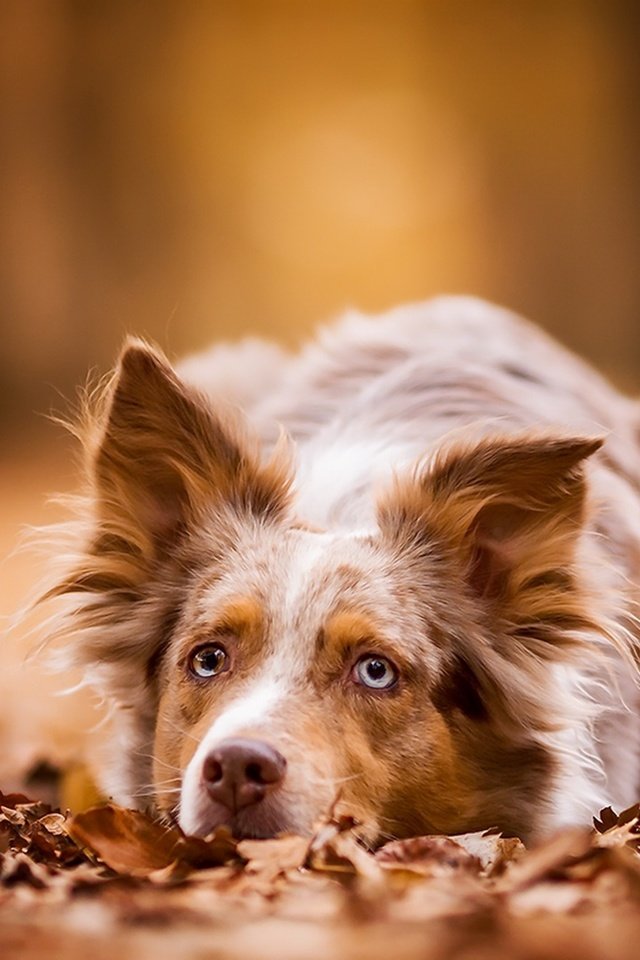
{"x":208,"y":661}
{"x":377,"y":673}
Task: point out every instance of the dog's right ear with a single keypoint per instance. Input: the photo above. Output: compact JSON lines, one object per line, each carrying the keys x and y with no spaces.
{"x":162,"y":457}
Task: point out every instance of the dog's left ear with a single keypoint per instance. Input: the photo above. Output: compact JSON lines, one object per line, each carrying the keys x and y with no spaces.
{"x":508,"y":510}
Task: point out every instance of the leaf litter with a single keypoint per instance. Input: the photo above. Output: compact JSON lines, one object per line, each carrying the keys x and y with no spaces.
{"x":116,"y":880}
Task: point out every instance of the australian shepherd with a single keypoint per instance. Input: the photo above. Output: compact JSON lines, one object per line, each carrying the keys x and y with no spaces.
{"x":399,"y":568}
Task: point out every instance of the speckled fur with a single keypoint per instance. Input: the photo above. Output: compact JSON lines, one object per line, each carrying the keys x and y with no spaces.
{"x":441,"y":493}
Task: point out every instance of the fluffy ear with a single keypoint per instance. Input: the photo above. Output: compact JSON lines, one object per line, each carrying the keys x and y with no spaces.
{"x":508,"y":510}
{"x":162,"y":457}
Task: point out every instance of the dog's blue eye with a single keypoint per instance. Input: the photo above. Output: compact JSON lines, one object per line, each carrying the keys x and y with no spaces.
{"x":377,"y":673}
{"x":208,"y":661}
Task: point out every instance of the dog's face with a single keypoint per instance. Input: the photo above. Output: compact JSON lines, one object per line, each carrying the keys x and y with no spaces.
{"x":270,"y":668}
{"x":332,"y":652}
{"x":314,"y":647}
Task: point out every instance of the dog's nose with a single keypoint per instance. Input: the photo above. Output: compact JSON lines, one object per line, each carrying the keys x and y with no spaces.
{"x":238,"y":772}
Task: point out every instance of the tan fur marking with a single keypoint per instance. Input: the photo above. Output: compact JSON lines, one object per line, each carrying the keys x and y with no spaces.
{"x":348,"y":628}
{"x":240,"y":614}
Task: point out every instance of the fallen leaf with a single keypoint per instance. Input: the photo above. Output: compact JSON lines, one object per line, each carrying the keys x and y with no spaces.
{"x":54,"y":823}
{"x":427,"y":855}
{"x":13,"y":799}
{"x":132,"y":843}
{"x":548,"y":860}
{"x":609,"y":820}
{"x":274,"y":857}
{"x":493,"y":850}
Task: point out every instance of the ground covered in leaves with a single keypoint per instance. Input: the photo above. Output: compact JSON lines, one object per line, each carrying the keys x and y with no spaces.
{"x":112,"y":882}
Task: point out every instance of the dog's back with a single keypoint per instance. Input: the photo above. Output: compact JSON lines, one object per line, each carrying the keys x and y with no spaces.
{"x":375,"y":393}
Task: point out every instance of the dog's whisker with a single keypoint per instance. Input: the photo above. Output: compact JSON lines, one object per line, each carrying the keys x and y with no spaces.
{"x":156,"y":760}
{"x":159,"y":784}
{"x":184,"y":733}
{"x":154,"y":793}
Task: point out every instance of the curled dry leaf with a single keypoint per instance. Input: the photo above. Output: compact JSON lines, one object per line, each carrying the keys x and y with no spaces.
{"x":271,"y":858}
{"x":494,"y":851}
{"x":549,"y":861}
{"x":322,"y":851}
{"x":335,"y":849}
{"x":54,"y":823}
{"x":36,"y":831}
{"x":623,"y":829}
{"x":12,"y":800}
{"x":609,"y":820}
{"x":15,"y":817}
{"x":130,"y":842}
{"x":475,"y":853}
{"x":427,"y":855}
{"x":21,"y":869}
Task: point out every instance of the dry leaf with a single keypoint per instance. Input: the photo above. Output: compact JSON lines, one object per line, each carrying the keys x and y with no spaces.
{"x":130,"y":842}
{"x":427,"y":855}
{"x":549,"y":860}
{"x":271,"y":858}
{"x":54,"y":823}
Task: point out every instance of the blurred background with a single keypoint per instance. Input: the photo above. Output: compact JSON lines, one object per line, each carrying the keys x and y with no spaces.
{"x":193,"y":171}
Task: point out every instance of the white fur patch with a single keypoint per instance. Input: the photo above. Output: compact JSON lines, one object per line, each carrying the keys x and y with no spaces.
{"x":302,"y":568}
{"x":247,"y":712}
{"x":257,"y":704}
{"x":332,"y":479}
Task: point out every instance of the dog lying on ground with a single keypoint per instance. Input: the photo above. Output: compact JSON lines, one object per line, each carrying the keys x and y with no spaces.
{"x":420,"y":597}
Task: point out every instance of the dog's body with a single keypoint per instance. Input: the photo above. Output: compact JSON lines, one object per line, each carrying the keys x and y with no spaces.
{"x":427,"y":608}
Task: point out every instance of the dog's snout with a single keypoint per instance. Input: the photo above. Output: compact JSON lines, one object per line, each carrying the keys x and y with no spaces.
{"x":239,"y":772}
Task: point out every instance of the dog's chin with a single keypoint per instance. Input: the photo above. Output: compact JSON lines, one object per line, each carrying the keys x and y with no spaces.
{"x":254,"y":827}
{"x":260,"y":822}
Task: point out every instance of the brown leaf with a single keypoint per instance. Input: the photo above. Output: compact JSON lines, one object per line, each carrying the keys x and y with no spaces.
{"x":54,"y":823}
{"x":336,"y":852}
{"x":5,"y":838}
{"x":269,"y":858}
{"x":550,"y":860}
{"x":13,"y":816}
{"x":614,"y":830}
{"x":609,"y":819}
{"x":126,"y":840}
{"x":215,"y":850}
{"x":493,"y":850}
{"x":13,"y":799}
{"x":428,"y":855}
{"x":130,"y":842}
{"x":21,"y":869}
{"x":322,"y":852}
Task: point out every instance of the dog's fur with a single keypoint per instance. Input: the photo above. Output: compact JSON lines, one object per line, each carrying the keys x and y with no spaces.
{"x":441,"y":496}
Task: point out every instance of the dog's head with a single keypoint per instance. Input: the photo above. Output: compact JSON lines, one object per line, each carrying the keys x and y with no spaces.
{"x":260,"y":668}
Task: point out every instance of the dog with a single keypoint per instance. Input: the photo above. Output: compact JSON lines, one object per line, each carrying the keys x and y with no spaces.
{"x":398,"y":570}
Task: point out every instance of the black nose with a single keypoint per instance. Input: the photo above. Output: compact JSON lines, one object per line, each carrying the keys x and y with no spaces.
{"x":238,"y":773}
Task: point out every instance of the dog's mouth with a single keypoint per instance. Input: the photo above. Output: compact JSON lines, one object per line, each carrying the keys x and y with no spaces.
{"x":261,"y":821}
{"x":256,"y":827}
